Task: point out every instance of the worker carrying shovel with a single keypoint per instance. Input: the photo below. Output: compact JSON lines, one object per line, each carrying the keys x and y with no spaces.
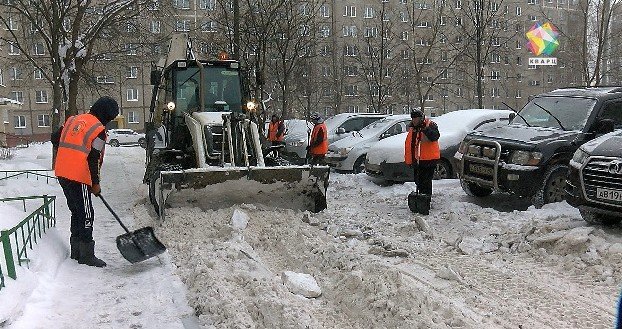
{"x":80,"y":144}
{"x":421,"y":151}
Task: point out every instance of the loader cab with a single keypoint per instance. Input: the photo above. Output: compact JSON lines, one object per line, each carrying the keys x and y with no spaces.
{"x":221,"y":87}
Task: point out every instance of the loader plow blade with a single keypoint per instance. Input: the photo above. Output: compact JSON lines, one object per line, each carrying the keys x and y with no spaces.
{"x":292,"y":187}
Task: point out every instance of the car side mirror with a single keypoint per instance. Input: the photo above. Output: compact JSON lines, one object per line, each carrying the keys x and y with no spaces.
{"x":602,"y":126}
{"x":341,"y":130}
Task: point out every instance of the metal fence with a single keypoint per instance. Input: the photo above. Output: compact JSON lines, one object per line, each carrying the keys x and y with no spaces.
{"x":17,"y":240}
{"x":46,"y":174}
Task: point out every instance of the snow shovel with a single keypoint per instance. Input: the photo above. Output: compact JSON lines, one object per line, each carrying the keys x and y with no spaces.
{"x":139,"y":245}
{"x":418,"y":202}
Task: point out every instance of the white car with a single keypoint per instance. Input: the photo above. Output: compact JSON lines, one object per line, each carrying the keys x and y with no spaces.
{"x":348,"y":154}
{"x":117,"y":137}
{"x":385,"y":159}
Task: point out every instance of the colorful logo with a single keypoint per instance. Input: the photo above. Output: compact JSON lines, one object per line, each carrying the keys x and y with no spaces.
{"x":542,"y":39}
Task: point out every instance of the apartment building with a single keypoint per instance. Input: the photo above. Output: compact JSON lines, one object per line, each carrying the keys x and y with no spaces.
{"x":357,"y":56}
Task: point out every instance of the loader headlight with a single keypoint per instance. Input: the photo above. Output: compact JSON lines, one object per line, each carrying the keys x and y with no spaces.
{"x":344,"y":151}
{"x":526,"y":158}
{"x":298,"y":143}
{"x":170,"y":106}
{"x":580,"y":156}
{"x":251,"y":106}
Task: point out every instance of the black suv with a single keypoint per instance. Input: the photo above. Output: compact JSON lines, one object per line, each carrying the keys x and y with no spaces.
{"x":530,"y":156}
{"x":594,"y":184}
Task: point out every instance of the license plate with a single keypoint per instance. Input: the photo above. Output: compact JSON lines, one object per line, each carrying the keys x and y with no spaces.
{"x":481,"y":169}
{"x":607,"y":194}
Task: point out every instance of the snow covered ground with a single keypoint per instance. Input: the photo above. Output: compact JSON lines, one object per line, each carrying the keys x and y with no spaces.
{"x":470,"y":264}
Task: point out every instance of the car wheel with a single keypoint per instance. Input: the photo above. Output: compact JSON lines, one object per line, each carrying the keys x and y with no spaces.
{"x":552,"y":189}
{"x":114,"y":143}
{"x":142,"y":142}
{"x":593,"y":218}
{"x":442,"y":170}
{"x":359,"y":164}
{"x":475,"y":190}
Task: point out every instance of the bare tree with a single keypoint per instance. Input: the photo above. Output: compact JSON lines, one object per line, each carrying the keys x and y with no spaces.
{"x":69,"y":30}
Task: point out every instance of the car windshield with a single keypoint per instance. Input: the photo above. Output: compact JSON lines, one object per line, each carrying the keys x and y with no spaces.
{"x":572,"y":112}
{"x":376,"y":126}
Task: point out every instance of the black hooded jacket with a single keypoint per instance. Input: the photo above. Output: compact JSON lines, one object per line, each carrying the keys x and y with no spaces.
{"x":105,"y":109}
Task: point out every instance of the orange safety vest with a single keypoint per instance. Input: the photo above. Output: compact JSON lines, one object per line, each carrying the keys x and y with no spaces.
{"x":323,"y":147}
{"x":422,"y":150}
{"x":273,"y":128}
{"x":74,"y":147}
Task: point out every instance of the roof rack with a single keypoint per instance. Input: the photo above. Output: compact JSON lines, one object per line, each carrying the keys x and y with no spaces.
{"x":604,"y":88}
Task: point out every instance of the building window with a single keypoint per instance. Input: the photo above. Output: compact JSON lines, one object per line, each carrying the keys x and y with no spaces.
{"x":38,"y":49}
{"x":349,"y":11}
{"x":403,"y":17}
{"x":182,"y":26}
{"x":154,"y":27}
{"x":405,"y":35}
{"x":132,"y":72}
{"x":1,"y":78}
{"x":105,"y":79}
{"x":209,"y":26}
{"x":518,"y":11}
{"x":495,"y":75}
{"x":38,"y":75}
{"x":12,"y":24}
{"x":16,"y":73}
{"x":43,"y":120}
{"x":131,"y":49}
{"x":181,"y":4}
{"x":153,"y":5}
{"x":207,"y":4}
{"x":132,"y":117}
{"x":325,"y":11}
{"x":518,"y":93}
{"x":369,"y":12}
{"x":352,"y":90}
{"x":13,"y":49}
{"x":19,"y":121}
{"x":132,"y":95}
{"x":17,"y":96}
{"x":349,"y":50}
{"x":350,"y":71}
{"x":41,"y":96}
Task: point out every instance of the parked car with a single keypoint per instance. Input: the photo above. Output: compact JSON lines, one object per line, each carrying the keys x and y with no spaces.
{"x":530,"y":156}
{"x":348,"y":154}
{"x":385,"y":159}
{"x":117,"y":137}
{"x":296,"y":140}
{"x":339,"y":126}
{"x":594,"y":182}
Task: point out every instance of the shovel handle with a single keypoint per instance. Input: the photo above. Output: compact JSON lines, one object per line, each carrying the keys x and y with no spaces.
{"x":113,"y":213}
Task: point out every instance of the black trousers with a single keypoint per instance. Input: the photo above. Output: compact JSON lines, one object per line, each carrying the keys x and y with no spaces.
{"x":79,"y":202}
{"x":423,"y":176}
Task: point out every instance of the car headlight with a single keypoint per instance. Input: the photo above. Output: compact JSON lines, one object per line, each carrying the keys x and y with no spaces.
{"x":344,"y":151}
{"x":526,"y":158}
{"x":297,"y":143}
{"x":580,"y":156}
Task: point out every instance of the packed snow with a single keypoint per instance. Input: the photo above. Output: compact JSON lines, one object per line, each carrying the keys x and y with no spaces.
{"x":364,"y":262}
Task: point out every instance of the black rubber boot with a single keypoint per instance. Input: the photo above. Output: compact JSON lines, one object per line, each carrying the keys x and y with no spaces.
{"x":87,"y":255}
{"x":74,"y":244}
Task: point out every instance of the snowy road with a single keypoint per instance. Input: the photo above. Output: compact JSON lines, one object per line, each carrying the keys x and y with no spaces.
{"x":470,"y":264}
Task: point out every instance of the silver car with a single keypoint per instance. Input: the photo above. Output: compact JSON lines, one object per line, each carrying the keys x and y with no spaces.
{"x":118,"y":137}
{"x":348,"y":154}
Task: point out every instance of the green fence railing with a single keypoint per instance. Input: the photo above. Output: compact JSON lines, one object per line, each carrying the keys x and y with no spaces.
{"x":47,"y":174}
{"x":17,"y":240}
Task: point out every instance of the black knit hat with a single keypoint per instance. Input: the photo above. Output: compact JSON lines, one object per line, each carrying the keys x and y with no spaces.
{"x":105,"y":109}
{"x":416,"y":113}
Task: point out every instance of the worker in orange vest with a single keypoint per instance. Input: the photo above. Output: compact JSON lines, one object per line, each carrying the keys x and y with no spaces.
{"x":318,"y":143}
{"x":276,"y":134}
{"x":422,"y":152}
{"x":80,"y":143}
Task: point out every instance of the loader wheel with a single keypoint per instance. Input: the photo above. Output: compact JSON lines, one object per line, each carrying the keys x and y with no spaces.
{"x":153,"y":182}
{"x":552,"y":189}
{"x":475,"y":190}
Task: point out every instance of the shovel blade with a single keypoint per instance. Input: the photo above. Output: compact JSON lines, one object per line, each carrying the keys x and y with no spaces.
{"x":419,"y":203}
{"x":139,"y":245}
